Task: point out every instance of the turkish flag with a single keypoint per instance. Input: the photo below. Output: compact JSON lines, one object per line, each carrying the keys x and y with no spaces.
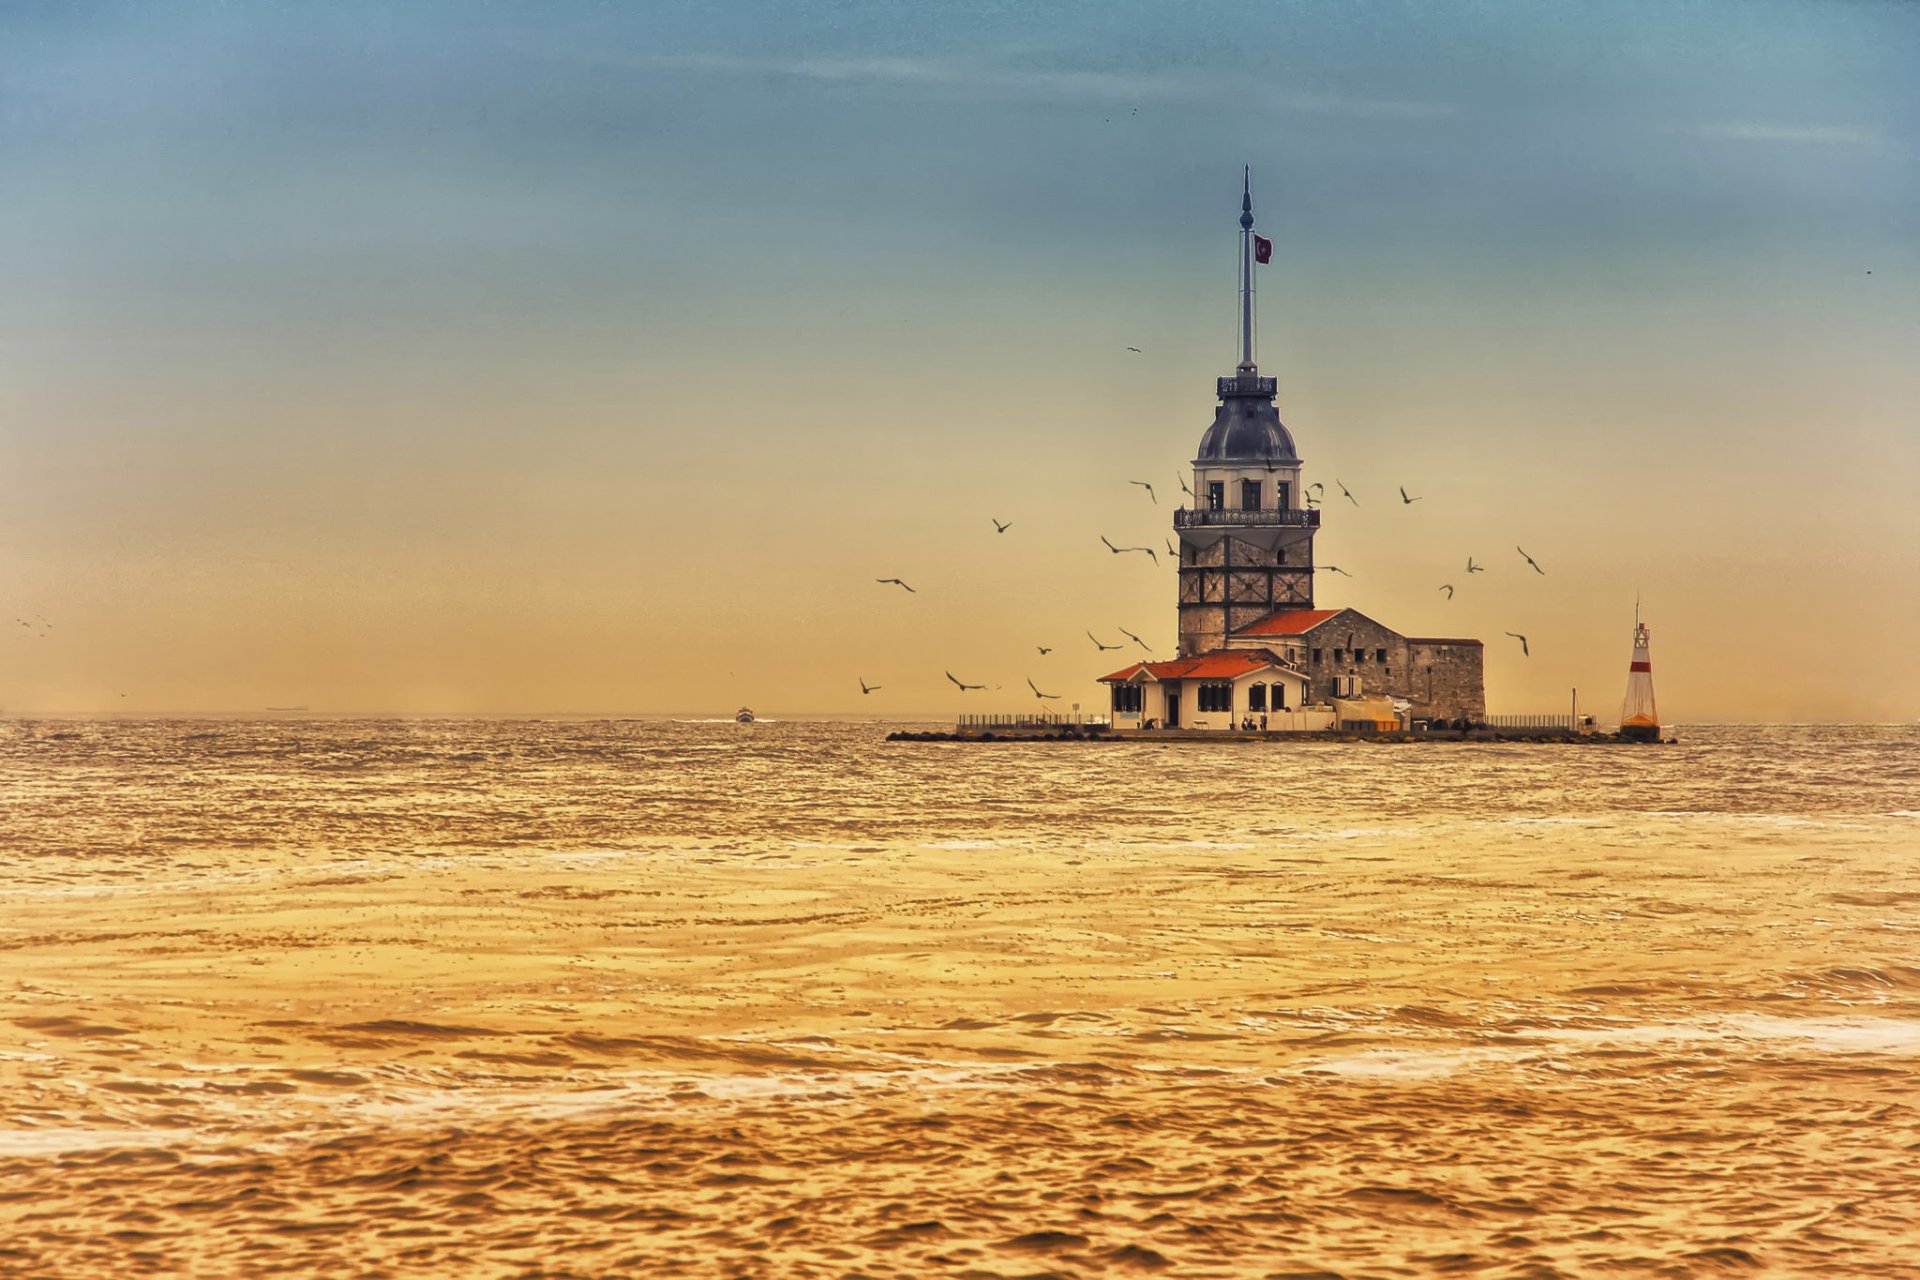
{"x":1262,"y":249}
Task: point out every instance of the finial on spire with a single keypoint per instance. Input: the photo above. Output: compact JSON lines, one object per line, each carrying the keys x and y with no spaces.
{"x":1246,"y":272}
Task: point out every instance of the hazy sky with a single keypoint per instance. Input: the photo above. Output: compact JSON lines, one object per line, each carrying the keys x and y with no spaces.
{"x":525,"y":357}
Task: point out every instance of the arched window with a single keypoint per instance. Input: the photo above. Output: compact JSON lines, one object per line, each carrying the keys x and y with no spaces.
{"x":1257,"y":697}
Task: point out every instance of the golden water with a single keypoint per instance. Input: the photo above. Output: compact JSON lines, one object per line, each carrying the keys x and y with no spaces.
{"x":654,"y":999}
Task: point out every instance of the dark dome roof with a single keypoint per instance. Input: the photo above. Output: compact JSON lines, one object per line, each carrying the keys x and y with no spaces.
{"x":1247,"y":428}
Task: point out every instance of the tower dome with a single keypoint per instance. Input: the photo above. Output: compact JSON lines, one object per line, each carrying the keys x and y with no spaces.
{"x":1247,"y":428}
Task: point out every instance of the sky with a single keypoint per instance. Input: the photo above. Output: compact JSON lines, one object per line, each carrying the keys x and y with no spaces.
{"x":551,"y":357}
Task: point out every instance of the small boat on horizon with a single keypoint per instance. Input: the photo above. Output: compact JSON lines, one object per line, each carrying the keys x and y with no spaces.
{"x":744,"y":715}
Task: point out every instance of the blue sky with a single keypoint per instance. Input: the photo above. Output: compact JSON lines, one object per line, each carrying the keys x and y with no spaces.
{"x":539,"y":318}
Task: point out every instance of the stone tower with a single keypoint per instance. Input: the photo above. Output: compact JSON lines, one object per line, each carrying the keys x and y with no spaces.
{"x":1246,"y":546}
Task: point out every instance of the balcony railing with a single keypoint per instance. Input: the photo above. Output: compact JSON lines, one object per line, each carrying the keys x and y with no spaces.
{"x":1186,"y":519}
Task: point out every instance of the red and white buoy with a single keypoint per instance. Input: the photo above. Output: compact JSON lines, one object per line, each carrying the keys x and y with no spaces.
{"x":1639,"y":720}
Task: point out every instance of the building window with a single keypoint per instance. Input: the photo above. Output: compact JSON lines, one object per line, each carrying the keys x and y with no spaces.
{"x":1216,"y":495}
{"x":1359,"y":655}
{"x":1126,"y":699}
{"x":1214,"y":697}
{"x":1280,"y":494}
{"x":1257,"y":697}
{"x":1346,"y":686}
{"x":1249,"y":495}
{"x":1316,"y":656}
{"x":1280,"y":556}
{"x":1380,"y":655}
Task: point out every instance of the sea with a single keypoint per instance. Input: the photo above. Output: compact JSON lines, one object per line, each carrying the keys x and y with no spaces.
{"x":584,"y":998}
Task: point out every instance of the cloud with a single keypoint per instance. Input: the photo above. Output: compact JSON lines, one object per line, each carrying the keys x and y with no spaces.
{"x":1751,"y":131}
{"x":1063,"y":85}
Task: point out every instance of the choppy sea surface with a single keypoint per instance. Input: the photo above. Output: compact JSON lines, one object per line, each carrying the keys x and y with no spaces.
{"x":512,"y":998}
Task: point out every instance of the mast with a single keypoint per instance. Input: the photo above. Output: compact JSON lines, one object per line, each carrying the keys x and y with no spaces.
{"x":1246,"y":271}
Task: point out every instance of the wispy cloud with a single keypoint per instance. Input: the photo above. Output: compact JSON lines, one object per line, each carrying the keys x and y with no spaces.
{"x":1753,"y":131}
{"x":1065,"y":85}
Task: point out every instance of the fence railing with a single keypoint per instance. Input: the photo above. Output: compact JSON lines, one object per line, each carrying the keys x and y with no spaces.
{"x":1028,"y":720}
{"x":1185,"y":518}
{"x":1559,"y":720}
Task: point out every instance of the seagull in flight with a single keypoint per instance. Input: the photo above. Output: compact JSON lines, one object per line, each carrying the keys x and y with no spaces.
{"x":1448,"y":588}
{"x":1410,"y":501}
{"x":1317,"y":487}
{"x":865,"y":687}
{"x":1334,"y":568}
{"x":1524,"y":651}
{"x":963,"y":685}
{"x":896,"y":582}
{"x":1044,"y":650}
{"x":1036,"y":690}
{"x":1117,"y":550}
{"x":1001,"y":528}
{"x":1184,"y":486}
{"x":1135,"y":350}
{"x":1096,"y":643}
{"x":1529,"y":560}
{"x":1136,"y":639}
{"x":1171,"y":553}
{"x":1347,"y":492}
{"x":1149,"y":488}
{"x":1474,"y":568}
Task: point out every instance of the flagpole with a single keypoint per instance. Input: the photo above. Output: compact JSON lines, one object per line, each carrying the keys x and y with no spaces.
{"x":1246,"y":271}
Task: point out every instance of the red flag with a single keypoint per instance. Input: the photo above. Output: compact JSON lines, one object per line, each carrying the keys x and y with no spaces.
{"x":1262,"y":249}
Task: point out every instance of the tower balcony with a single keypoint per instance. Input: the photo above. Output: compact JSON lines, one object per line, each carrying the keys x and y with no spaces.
{"x":1186,"y":519}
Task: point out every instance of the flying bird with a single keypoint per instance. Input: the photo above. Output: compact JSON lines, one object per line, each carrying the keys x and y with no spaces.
{"x":1529,"y":560}
{"x":1135,"y":350}
{"x":1474,"y":568}
{"x":1410,"y":501}
{"x":1136,"y":639}
{"x":1117,"y":550}
{"x":1096,"y":643}
{"x":1001,"y":528}
{"x":1036,"y":690}
{"x":1347,"y":492}
{"x":1524,"y":651}
{"x":1044,"y":650}
{"x":896,"y":582}
{"x":865,"y":687}
{"x":1184,"y":486}
{"x":964,"y":686}
{"x":1149,"y":488}
{"x":1448,"y":588}
{"x":1171,"y":553}
{"x":1334,"y":568}
{"x":1317,"y":486}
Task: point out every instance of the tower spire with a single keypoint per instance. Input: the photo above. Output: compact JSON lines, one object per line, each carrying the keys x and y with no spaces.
{"x":1246,"y":270}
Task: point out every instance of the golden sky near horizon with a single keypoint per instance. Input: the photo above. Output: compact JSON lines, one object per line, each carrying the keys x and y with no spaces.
{"x":584,"y":362}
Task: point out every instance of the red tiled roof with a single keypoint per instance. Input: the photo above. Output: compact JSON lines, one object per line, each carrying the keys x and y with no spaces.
{"x":1220,"y":664}
{"x":1288,"y":622}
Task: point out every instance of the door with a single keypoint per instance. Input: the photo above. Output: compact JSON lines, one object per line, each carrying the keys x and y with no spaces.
{"x":1173,"y":707}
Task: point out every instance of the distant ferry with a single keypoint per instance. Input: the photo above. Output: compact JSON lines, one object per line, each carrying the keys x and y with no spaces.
{"x":744,"y":716}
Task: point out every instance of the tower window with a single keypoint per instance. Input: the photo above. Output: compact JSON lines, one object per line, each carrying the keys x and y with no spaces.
{"x":1280,"y":556}
{"x":1249,"y":495}
{"x":1216,"y":495}
{"x":1280,"y":495}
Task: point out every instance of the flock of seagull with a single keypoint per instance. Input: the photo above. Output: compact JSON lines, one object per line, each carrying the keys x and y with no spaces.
{"x":1315,"y":493}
